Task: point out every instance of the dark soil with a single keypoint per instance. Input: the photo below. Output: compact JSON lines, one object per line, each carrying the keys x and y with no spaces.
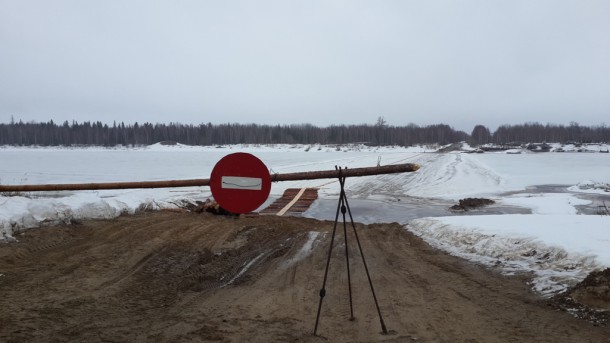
{"x":594,"y":290}
{"x":471,"y":203}
{"x":589,"y":299}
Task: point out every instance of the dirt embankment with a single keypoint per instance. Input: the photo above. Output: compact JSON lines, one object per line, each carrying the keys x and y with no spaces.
{"x":170,"y":277}
{"x":594,"y":290}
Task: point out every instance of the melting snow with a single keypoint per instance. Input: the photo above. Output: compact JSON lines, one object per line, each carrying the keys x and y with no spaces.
{"x":559,"y":249}
{"x":305,"y":249}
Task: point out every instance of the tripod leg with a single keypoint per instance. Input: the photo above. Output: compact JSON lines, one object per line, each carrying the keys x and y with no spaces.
{"x":383,"y":327}
{"x":349,"y":277}
{"x":330,"y":251}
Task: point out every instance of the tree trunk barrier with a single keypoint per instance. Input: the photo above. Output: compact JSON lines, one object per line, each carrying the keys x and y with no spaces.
{"x":312,"y":175}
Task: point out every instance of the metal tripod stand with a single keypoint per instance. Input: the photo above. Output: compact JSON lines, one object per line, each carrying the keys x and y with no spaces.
{"x":343,"y":206}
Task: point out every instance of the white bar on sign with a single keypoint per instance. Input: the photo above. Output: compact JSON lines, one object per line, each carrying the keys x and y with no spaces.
{"x":238,"y":182}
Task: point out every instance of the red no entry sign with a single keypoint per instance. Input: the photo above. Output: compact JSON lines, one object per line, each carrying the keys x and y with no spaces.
{"x":240,"y":182}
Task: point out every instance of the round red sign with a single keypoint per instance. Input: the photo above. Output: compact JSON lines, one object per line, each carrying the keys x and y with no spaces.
{"x":240,"y":182}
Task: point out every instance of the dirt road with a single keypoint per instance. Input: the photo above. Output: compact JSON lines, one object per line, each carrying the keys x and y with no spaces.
{"x":179,"y":277}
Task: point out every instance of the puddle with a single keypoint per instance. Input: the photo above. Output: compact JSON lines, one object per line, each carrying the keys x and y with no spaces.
{"x":405,"y":209}
{"x":551,"y":188}
{"x":401,"y":211}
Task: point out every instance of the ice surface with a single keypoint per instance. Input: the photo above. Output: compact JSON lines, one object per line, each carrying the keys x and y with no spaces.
{"x":546,"y":203}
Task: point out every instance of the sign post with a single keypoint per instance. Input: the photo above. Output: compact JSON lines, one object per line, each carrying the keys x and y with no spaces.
{"x":240,"y":182}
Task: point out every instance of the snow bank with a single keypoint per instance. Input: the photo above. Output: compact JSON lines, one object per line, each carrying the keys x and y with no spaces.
{"x":18,"y":213}
{"x":589,"y":186}
{"x":453,"y":176}
{"x":560,"y":250}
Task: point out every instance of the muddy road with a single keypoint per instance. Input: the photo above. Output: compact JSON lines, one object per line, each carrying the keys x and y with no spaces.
{"x":180,"y":277}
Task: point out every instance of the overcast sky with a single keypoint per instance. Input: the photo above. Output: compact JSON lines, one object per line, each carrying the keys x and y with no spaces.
{"x":321,"y":62}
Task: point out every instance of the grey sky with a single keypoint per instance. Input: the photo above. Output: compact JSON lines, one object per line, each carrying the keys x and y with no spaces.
{"x":322,"y":62}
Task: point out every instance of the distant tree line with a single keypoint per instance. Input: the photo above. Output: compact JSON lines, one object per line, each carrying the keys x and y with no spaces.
{"x":536,"y":132}
{"x":96,"y":133}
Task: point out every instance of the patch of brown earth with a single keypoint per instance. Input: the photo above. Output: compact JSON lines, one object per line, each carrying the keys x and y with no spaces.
{"x":186,"y":277}
{"x":471,"y":203}
{"x":589,"y":299}
{"x":594,"y":290}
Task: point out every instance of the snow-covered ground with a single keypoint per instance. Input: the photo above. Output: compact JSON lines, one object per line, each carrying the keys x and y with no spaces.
{"x":555,"y":242}
{"x":83,"y":165}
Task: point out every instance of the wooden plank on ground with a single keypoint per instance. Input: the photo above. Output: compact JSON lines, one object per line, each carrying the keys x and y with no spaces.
{"x":294,"y":200}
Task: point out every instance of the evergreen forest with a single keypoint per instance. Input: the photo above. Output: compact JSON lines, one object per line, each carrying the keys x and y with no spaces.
{"x":99,"y":134}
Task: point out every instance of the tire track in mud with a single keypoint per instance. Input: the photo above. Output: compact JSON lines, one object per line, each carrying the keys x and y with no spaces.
{"x":26,"y":251}
{"x":183,"y":267}
{"x":153,"y":265}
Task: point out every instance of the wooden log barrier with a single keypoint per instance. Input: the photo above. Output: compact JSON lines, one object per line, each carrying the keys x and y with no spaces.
{"x":325,"y":174}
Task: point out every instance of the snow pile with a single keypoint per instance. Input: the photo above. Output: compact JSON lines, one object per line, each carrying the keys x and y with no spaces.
{"x":467,"y":147}
{"x":559,"y":249}
{"x":552,"y":147}
{"x":513,"y":151}
{"x":591,"y":187}
{"x":592,"y":147}
{"x":452,"y":176}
